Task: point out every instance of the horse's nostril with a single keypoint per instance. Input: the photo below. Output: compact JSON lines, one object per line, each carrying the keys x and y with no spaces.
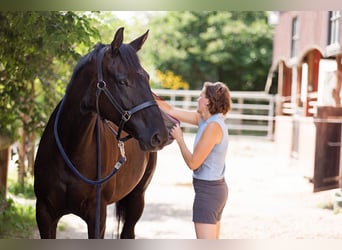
{"x":155,"y":140}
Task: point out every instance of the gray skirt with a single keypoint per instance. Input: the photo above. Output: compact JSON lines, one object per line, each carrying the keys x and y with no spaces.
{"x":209,"y":202}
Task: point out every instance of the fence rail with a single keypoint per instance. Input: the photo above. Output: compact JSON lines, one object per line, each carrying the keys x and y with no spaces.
{"x":252,"y":112}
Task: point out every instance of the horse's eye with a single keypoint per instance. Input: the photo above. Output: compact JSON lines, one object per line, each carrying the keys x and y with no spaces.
{"x":123,"y":82}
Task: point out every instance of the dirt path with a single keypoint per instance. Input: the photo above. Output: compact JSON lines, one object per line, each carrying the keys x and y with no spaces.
{"x":268,"y":199}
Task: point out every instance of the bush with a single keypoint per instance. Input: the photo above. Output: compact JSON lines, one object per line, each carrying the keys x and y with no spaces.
{"x":22,"y":190}
{"x":17,"y":221}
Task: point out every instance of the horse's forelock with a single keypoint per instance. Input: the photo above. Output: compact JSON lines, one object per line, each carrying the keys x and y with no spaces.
{"x":129,"y":57}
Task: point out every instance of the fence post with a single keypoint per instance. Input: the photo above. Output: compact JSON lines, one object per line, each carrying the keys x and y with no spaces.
{"x":270,"y":116}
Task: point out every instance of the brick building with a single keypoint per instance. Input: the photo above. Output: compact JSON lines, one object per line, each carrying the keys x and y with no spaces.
{"x":307,"y":68}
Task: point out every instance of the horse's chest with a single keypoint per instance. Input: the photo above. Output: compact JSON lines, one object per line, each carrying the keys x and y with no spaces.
{"x":128,"y":177}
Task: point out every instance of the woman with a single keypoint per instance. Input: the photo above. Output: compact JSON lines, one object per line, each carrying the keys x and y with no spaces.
{"x":208,"y":157}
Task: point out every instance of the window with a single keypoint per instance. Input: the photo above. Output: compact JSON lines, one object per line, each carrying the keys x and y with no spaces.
{"x":334,"y":27}
{"x":294,"y":37}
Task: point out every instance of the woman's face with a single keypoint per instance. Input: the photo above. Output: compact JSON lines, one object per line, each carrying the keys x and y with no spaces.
{"x":202,"y":102}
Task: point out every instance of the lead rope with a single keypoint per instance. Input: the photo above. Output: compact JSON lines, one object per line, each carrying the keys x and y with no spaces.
{"x":71,"y":165}
{"x":98,"y":185}
{"x":98,"y":182}
{"x":117,"y":166}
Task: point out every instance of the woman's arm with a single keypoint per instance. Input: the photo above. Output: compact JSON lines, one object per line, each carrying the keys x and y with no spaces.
{"x":210,"y":137}
{"x":191,"y":117}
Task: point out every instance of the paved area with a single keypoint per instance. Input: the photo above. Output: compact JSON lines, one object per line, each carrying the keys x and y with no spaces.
{"x":268,"y":199}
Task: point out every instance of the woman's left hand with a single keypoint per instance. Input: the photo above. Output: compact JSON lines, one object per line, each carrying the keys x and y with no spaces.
{"x":176,"y":132}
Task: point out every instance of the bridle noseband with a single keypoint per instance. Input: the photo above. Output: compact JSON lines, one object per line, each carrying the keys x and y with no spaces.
{"x":125,"y":114}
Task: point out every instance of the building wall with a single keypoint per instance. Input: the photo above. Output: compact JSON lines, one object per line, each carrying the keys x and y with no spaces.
{"x":296,"y":132}
{"x":313,"y":28}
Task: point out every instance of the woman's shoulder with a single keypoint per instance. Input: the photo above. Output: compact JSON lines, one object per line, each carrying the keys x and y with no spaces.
{"x":214,"y":131}
{"x":218,"y":121}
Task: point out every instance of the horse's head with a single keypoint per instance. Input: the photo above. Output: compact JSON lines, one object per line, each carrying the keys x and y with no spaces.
{"x":124,"y":94}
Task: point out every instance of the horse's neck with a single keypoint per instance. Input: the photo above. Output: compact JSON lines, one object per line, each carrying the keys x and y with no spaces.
{"x":75,"y":125}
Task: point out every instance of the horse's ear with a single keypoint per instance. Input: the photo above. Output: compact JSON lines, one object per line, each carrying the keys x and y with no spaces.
{"x":139,"y":42}
{"x":118,"y":39}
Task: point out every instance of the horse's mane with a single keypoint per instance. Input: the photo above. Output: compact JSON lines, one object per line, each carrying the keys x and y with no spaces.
{"x":83,"y":61}
{"x":87,"y":58}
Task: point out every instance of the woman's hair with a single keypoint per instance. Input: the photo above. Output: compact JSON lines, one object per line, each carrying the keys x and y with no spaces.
{"x":219,"y":98}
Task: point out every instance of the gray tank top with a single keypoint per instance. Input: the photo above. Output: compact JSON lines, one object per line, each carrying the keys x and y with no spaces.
{"x":214,"y":166}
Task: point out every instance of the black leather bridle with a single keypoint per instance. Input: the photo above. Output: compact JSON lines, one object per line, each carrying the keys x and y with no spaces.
{"x":125,"y":114}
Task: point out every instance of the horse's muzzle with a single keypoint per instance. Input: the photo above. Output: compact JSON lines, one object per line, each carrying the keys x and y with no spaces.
{"x":169,"y":122}
{"x":157,"y":139}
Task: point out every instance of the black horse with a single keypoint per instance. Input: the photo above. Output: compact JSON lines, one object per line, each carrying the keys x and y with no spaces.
{"x":88,"y":138}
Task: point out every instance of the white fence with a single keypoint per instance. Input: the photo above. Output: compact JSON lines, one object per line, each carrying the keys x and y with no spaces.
{"x":252,"y":112}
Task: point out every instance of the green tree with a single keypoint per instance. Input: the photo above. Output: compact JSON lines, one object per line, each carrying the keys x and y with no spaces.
{"x":233,"y":47}
{"x":32,"y":75}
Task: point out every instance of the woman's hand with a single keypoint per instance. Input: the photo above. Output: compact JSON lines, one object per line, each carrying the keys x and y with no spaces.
{"x":176,"y":132}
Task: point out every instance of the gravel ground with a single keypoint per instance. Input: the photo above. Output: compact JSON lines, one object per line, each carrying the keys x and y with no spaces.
{"x":268,"y":199}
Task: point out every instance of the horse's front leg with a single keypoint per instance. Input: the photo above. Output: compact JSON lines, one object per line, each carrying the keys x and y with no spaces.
{"x":132,"y":206}
{"x":47,"y":224}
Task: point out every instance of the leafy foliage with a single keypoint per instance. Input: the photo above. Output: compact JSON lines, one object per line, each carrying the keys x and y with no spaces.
{"x":23,"y":190}
{"x":33,"y":45}
{"x":232,"y":47}
{"x":17,"y":221}
{"x":169,"y":80}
